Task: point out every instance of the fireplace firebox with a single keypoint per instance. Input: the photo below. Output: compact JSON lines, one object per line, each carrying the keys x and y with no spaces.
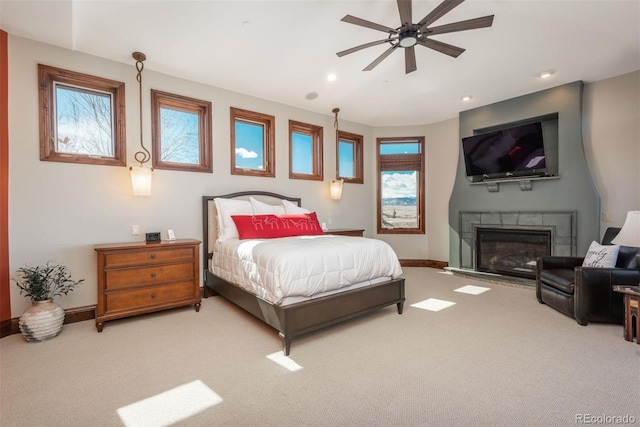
{"x":511,"y":251}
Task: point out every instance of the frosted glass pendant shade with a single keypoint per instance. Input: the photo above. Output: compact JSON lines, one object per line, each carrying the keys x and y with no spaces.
{"x":141,"y":180}
{"x":336,"y":189}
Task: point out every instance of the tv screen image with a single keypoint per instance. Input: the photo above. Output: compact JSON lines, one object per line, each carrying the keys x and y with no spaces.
{"x":516,"y":151}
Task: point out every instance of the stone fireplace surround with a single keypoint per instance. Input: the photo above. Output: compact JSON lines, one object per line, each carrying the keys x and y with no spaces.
{"x":561,"y":224}
{"x":572,"y":192}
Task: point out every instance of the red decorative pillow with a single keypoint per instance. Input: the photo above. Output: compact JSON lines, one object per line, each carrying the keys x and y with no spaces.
{"x":271,"y":226}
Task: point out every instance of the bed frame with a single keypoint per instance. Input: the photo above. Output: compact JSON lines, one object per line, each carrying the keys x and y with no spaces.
{"x":300,"y":318}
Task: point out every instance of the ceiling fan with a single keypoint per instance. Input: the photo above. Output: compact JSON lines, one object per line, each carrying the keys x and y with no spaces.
{"x":408,"y":35}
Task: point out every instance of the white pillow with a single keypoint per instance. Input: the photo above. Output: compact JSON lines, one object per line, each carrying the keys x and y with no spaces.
{"x":292,"y":208}
{"x":261,"y":208}
{"x":225,"y":208}
{"x":601,"y":256}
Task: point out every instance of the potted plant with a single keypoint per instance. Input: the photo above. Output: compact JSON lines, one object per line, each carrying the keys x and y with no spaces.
{"x":41,"y":283}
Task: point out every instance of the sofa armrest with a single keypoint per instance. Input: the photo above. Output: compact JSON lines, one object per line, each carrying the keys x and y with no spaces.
{"x":595,"y":299}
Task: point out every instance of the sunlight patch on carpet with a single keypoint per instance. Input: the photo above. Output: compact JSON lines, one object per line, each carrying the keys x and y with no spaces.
{"x":433,"y":304}
{"x":472,"y":290}
{"x":284,"y":361}
{"x":170,"y":406}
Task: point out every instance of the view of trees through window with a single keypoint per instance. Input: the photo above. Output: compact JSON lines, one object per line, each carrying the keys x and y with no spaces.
{"x":180,"y":136}
{"x":181,"y":132}
{"x":84,"y":122}
{"x":82,"y":118}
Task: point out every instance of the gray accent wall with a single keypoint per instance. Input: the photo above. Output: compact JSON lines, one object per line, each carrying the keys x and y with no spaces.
{"x":572,"y":189}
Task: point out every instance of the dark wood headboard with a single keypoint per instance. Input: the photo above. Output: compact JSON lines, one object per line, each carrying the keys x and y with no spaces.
{"x":209,"y":225}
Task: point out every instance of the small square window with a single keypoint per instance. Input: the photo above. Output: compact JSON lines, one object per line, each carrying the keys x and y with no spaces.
{"x":305,"y":151}
{"x":82,"y":118}
{"x":252,"y":143}
{"x":349,"y":158}
{"x":181,"y":129}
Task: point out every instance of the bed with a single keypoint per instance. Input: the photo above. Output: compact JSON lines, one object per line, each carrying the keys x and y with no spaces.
{"x":289,"y":312}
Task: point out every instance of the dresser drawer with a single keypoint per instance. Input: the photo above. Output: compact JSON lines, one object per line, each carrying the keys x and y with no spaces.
{"x":148,"y":297}
{"x":147,"y":256}
{"x":126,"y":277}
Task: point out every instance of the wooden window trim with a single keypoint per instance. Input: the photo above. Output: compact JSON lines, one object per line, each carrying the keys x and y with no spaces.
{"x":5,"y":293}
{"x":269,"y":123}
{"x":392,"y":162}
{"x":47,"y":77}
{"x":358,"y":144}
{"x":317,"y":162}
{"x":190,"y":105}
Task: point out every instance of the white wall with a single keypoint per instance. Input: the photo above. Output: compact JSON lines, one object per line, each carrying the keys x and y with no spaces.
{"x":611,"y":133}
{"x":441,"y":156}
{"x":58,"y":211}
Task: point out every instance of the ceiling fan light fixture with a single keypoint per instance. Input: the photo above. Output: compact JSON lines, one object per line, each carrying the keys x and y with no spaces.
{"x":408,"y":39}
{"x":410,"y":34}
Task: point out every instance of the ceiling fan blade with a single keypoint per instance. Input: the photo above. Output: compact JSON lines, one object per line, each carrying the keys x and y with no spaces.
{"x":368,"y":24}
{"x":441,"y":47}
{"x":469,"y":24}
{"x":443,"y":8}
{"x":404,"y":7}
{"x":362,"y":46}
{"x":410,"y":60}
{"x":380,"y":58}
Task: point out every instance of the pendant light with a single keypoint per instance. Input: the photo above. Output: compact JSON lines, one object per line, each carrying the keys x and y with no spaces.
{"x":141,"y":175}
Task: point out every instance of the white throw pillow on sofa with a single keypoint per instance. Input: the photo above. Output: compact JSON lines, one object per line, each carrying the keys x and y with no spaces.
{"x":601,"y":256}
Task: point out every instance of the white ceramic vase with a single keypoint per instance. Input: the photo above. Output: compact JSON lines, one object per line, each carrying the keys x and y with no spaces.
{"x":41,"y":321}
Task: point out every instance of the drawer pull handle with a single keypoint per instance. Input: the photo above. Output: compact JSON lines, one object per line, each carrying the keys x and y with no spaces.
{"x":153,"y":274}
{"x":153,"y":256}
{"x":153,"y":295}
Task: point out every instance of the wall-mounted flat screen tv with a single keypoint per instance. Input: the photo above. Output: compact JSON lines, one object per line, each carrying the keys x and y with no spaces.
{"x":512,"y":152}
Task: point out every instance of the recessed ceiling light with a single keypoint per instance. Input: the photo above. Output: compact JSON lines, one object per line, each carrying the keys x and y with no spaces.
{"x":311,"y":95}
{"x":332,"y":77}
{"x":546,"y":74}
{"x":466,"y":98}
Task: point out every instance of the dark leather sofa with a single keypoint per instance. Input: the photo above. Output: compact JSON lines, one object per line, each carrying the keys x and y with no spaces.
{"x":586,"y":293}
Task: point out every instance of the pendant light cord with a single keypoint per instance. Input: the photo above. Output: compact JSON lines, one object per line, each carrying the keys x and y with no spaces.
{"x":140,"y":156}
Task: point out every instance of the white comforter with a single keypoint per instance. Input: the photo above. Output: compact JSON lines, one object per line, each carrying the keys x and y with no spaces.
{"x":275,"y":269}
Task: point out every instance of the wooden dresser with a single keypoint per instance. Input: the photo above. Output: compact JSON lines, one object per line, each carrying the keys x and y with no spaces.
{"x":346,"y":232}
{"x":136,"y":278}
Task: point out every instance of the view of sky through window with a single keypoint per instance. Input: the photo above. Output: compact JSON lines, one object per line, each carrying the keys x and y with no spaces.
{"x":302,"y":153}
{"x":400,"y":186}
{"x":249,"y":139}
{"x":346,"y":154}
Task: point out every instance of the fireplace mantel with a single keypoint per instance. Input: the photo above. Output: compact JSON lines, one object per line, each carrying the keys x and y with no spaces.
{"x":561,"y":224}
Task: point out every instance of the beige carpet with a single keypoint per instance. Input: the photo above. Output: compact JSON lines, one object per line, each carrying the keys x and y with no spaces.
{"x":497,"y":358}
